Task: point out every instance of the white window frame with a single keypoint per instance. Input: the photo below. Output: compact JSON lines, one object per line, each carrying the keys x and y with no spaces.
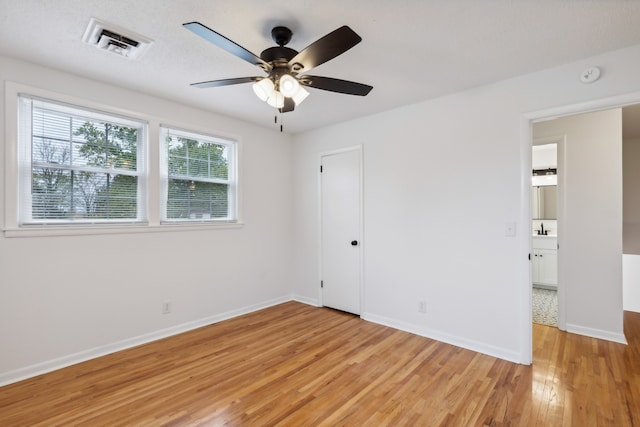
{"x":27,"y":103}
{"x":231,"y":181}
{"x":11,"y":226}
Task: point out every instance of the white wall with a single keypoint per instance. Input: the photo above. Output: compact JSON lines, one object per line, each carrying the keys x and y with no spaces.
{"x":631,"y":183}
{"x":55,"y":311}
{"x":442,"y":179}
{"x":631,"y":223}
{"x":590,"y":224}
{"x":631,"y":282}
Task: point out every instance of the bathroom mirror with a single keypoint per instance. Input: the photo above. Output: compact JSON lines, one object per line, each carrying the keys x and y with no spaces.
{"x":544,"y":202}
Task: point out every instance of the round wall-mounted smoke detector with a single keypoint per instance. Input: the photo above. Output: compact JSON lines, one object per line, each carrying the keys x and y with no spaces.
{"x":590,"y":75}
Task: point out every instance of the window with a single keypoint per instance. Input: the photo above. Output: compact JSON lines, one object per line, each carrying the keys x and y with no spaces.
{"x":79,"y":166}
{"x":198,"y":177}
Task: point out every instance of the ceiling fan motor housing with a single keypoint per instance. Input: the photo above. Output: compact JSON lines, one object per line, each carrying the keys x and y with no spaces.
{"x":277,"y":55}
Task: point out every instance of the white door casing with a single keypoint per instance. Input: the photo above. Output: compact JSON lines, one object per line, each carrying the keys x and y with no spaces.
{"x":341,"y":230}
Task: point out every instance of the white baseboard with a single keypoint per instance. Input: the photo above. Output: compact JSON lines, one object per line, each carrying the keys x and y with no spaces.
{"x":596,"y":333}
{"x":501,"y":353}
{"x":83,"y":356}
{"x":72,"y":359}
{"x":305,"y":300}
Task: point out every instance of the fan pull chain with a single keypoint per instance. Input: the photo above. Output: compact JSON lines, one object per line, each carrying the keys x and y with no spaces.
{"x":275,"y":120}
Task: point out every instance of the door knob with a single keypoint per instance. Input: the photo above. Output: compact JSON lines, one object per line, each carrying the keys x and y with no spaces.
{"x":354,"y":243}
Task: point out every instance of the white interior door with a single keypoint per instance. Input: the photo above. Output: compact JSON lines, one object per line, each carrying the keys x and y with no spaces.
{"x":341,"y":240}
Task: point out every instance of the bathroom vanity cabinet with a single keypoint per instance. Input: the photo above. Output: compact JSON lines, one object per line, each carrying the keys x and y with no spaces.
{"x":544,"y":258}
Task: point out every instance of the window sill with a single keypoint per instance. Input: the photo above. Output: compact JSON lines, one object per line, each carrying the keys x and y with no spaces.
{"x":35,"y":231}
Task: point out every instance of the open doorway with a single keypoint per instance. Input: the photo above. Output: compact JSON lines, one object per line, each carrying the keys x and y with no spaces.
{"x":544,"y":229}
{"x":591,"y":232}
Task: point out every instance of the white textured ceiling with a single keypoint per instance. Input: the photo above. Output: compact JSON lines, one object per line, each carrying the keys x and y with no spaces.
{"x":412,"y":50}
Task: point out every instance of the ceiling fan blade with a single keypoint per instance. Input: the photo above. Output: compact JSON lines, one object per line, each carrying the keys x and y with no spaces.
{"x":328,"y":47}
{"x":335,"y":85}
{"x":289,"y":105}
{"x":225,"y":82}
{"x":226,"y":44}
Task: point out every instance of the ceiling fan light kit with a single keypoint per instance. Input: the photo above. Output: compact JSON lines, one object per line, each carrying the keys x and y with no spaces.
{"x":300,"y":95}
{"x":276,"y":100}
{"x":264,"y":89}
{"x":288,"y":85}
{"x":283,"y":88}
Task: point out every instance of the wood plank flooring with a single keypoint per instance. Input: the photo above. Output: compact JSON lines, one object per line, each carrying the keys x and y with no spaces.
{"x":296,"y":365}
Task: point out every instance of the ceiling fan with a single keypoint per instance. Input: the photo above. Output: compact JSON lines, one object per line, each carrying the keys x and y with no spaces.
{"x":282,"y":88}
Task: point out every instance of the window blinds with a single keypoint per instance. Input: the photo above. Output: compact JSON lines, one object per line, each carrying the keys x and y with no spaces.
{"x":199,"y":176}
{"x":79,"y":165}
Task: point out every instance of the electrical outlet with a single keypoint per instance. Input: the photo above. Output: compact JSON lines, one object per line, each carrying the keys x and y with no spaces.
{"x":166,"y":307}
{"x":422,"y":306}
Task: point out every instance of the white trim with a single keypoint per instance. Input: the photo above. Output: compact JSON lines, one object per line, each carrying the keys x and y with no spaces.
{"x":526,"y":273}
{"x":358,"y":148}
{"x":11,"y":108}
{"x":499,"y":352}
{"x":306,"y":300}
{"x":153,"y":201}
{"x":207,"y":137}
{"x":526,"y":140}
{"x":596,"y":333}
{"x":584,"y":107}
{"x":230,"y":181}
{"x":83,"y":356}
{"x":82,"y":230}
{"x":362,"y":236}
{"x":561,"y":145}
{"x":31,"y":106}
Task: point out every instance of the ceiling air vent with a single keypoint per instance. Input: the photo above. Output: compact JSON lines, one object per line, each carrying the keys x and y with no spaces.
{"x":113,"y":39}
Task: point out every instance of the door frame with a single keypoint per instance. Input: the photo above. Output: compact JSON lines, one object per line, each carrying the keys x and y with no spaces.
{"x":358,"y":148}
{"x":526,"y":141}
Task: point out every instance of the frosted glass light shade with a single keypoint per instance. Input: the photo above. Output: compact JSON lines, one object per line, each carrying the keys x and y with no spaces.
{"x":288,"y":85}
{"x":300,"y":95}
{"x":276,"y":100}
{"x":264,"y":89}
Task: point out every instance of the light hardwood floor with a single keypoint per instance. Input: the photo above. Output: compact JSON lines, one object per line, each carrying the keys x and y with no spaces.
{"x":297,"y":365}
